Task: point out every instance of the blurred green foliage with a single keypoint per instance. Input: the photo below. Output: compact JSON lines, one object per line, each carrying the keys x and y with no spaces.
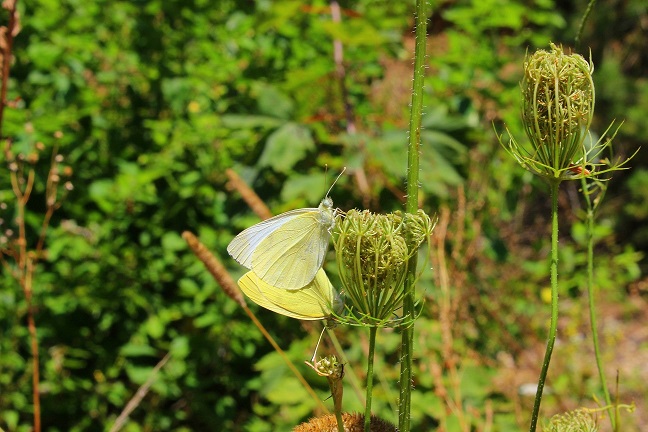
{"x":157,"y":98}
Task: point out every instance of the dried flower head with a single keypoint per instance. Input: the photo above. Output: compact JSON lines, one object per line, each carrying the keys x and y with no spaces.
{"x":353,"y":422}
{"x":372,"y":252}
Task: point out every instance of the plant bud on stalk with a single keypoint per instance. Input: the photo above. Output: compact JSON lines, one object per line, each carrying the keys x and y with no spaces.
{"x":372,"y":252}
{"x":558,"y":105}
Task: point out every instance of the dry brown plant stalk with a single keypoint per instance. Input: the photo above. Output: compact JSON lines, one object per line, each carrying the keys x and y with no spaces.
{"x":255,"y":203}
{"x":215,"y":268}
{"x":22,"y":188}
{"x":139,"y":395}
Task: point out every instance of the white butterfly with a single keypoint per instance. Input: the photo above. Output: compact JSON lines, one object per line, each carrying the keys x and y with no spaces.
{"x":288,"y":250}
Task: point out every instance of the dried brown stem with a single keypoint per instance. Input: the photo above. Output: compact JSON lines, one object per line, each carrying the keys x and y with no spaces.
{"x":285,"y":358}
{"x":249,"y":196}
{"x":340,"y":74}
{"x":139,"y":395}
{"x":6,"y":55}
{"x":25,"y":273}
{"x":25,"y":262}
{"x":226,"y":282}
{"x":446,"y":317}
{"x":31,"y":324}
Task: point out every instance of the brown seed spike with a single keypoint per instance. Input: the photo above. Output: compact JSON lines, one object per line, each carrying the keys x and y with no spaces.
{"x":215,"y":268}
{"x":249,"y":196}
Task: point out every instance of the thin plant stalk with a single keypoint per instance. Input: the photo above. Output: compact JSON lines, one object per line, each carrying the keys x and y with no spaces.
{"x":25,"y":263}
{"x":142,"y":391}
{"x":337,"y":408}
{"x":551,"y":339}
{"x":370,"y":371}
{"x":590,"y":294}
{"x":349,"y":374}
{"x":7,"y":55}
{"x":581,"y":26}
{"x":416,"y":112}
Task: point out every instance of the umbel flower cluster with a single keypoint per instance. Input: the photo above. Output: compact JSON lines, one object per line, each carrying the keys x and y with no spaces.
{"x":558,"y":106}
{"x":373,"y":253}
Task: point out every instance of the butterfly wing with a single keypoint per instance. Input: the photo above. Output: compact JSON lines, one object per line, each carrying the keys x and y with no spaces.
{"x":242,"y":247}
{"x":291,"y":256}
{"x":314,"y":301}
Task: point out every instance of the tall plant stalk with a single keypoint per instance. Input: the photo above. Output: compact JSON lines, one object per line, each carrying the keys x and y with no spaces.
{"x":25,"y":261}
{"x":416,"y":112}
{"x":589,"y":221}
{"x":551,"y":338}
{"x":558,"y":107}
{"x":370,"y":370}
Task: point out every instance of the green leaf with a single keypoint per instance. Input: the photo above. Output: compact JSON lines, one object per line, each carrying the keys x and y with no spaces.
{"x":310,"y":187}
{"x":138,"y":374}
{"x":287,"y":146}
{"x":274,"y":103}
{"x":137,"y":350}
{"x":172,"y":241}
{"x":155,"y":327}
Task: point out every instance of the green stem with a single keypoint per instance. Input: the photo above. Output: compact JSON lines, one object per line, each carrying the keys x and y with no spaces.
{"x":416,"y":113}
{"x":370,"y":369}
{"x":554,"y":304}
{"x":590,"y":295}
{"x":340,"y":421}
{"x":336,"y":391}
{"x":592,"y":313}
{"x":348,"y":371}
{"x":590,"y":6}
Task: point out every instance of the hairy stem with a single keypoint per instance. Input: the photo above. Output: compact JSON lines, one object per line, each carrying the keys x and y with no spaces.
{"x":551,"y":339}
{"x":370,"y":370}
{"x":590,"y":296}
{"x":416,"y":113}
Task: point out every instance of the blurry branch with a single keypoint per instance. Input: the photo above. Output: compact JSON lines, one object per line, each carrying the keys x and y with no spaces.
{"x":139,"y":395}
{"x":6,"y":45}
{"x":340,"y":74}
{"x":22,"y":188}
{"x":217,"y":270}
{"x":22,"y":175}
{"x":577,"y":39}
{"x":340,"y":70}
{"x":447,"y":312}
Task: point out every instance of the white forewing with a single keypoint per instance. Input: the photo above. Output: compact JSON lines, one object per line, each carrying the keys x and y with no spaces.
{"x":287,"y":251}
{"x":290,"y":257}
{"x":242,"y":247}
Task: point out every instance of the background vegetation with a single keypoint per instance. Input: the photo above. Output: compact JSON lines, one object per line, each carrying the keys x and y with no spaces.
{"x":155,"y":99}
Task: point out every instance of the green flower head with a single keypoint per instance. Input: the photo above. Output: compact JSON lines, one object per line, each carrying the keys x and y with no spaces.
{"x":372,"y":252}
{"x":557,"y":110}
{"x":558,"y":105}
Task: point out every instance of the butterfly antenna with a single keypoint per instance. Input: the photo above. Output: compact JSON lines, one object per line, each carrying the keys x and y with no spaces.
{"x":317,"y":346}
{"x":336,"y":179}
